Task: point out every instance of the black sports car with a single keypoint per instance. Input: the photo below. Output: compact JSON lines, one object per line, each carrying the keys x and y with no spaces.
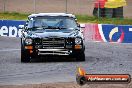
{"x":52,"y":34}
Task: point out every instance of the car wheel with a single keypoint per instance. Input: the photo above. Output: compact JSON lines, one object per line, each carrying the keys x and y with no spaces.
{"x":80,"y":56}
{"x":25,"y":57}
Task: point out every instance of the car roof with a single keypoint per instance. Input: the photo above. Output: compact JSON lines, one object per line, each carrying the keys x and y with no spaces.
{"x":51,"y":14}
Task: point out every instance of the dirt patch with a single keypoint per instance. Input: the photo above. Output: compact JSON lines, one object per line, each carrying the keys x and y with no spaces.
{"x":68,"y":85}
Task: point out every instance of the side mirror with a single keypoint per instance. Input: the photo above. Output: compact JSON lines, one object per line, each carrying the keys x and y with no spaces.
{"x":21,"y":26}
{"x":82,"y":25}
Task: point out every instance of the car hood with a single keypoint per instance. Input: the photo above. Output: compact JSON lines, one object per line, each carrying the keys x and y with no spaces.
{"x":53,"y":33}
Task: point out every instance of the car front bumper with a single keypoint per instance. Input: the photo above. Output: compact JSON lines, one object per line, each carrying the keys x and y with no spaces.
{"x":54,"y":52}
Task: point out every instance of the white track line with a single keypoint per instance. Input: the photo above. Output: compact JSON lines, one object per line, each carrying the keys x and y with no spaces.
{"x":8,"y":50}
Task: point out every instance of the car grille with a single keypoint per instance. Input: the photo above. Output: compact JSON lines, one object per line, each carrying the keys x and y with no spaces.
{"x":51,"y":43}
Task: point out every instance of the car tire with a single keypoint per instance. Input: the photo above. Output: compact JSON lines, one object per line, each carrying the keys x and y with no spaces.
{"x":80,"y":56}
{"x":25,"y":57}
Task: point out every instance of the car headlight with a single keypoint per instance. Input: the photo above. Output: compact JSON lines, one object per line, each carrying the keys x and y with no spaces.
{"x":78,"y":40}
{"x":28,"y":41}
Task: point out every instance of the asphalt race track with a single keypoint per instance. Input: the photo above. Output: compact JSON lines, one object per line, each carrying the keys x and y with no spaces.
{"x":101,"y":58}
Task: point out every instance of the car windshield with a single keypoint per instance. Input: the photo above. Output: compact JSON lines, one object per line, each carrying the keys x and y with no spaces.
{"x":52,"y":22}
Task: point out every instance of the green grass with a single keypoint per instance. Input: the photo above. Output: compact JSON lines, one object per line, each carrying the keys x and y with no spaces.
{"x":13,"y":16}
{"x":81,"y":18}
{"x":92,"y":19}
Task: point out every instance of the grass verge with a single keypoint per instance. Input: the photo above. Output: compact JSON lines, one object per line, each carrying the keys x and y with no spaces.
{"x":13,"y":16}
{"x":81,"y":18}
{"x":92,"y":19}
